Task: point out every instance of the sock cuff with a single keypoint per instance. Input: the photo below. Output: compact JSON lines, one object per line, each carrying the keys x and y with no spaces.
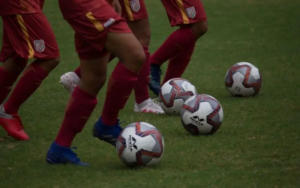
{"x":78,"y":92}
{"x":122,"y":73}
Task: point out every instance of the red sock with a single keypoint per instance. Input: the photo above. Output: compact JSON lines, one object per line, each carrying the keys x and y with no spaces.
{"x":178,"y":64}
{"x":77,"y":71}
{"x":79,"y":109}
{"x":177,"y":42}
{"x":141,"y":86}
{"x":119,"y":88}
{"x":28,"y":83}
{"x":7,"y":79}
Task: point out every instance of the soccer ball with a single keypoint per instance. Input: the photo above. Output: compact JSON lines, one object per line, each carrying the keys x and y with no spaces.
{"x":174,"y":92}
{"x":243,"y":79}
{"x":140,"y":144}
{"x":201,"y":114}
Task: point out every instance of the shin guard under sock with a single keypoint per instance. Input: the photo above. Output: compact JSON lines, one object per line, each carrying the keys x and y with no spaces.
{"x":28,"y":83}
{"x":119,"y":88}
{"x":178,"y":41}
{"x":79,"y":109}
{"x":141,"y":86}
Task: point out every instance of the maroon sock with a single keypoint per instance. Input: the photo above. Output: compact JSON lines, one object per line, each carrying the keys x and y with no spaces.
{"x":178,"y":64}
{"x":79,"y":109}
{"x":77,"y":71}
{"x":141,"y":86}
{"x":119,"y":88}
{"x":28,"y":83}
{"x":178,"y":41}
{"x":7,"y":79}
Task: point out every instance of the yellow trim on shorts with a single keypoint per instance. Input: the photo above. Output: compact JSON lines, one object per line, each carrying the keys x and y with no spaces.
{"x":128,"y":10}
{"x":94,"y":21}
{"x":182,"y":11}
{"x":25,"y":36}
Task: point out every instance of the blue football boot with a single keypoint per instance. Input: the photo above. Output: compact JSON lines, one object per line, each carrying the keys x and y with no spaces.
{"x":107,"y":133}
{"x":62,"y":155}
{"x":154,"y":83}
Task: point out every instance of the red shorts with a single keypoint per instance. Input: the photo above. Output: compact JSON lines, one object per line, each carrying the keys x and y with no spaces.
{"x":133,"y":10}
{"x":91,"y":31}
{"x":28,"y":36}
{"x":184,"y":11}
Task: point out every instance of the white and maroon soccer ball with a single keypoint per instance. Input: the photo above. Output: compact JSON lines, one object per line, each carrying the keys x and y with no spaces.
{"x":243,"y":79}
{"x":174,"y":92}
{"x":140,"y":144}
{"x":202,"y":114}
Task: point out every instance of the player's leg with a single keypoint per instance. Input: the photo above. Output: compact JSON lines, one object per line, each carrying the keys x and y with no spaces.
{"x":124,"y":77}
{"x":30,"y":80}
{"x":12,"y":65}
{"x":28,"y":83}
{"x":137,"y":19}
{"x":144,"y":103}
{"x":81,"y":104}
{"x":41,"y":45}
{"x":178,"y":63}
{"x":192,"y":21}
{"x":93,"y":73}
{"x":175,"y":44}
{"x":199,"y":28}
{"x":32,"y":37}
{"x":9,"y":72}
{"x":91,"y":50}
{"x":139,"y":24}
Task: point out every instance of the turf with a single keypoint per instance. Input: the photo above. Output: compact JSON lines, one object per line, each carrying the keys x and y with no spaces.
{"x":258,"y":144}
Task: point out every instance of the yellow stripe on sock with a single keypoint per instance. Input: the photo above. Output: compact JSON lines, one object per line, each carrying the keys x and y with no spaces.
{"x":26,"y":35}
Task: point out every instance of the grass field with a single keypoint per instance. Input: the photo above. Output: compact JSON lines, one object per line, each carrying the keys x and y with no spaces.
{"x":258,"y":144}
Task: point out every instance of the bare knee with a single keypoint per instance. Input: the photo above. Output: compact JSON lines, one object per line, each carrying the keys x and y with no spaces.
{"x":145,"y":39}
{"x":199,"y":29}
{"x":92,"y":82}
{"x":138,"y":57}
{"x":127,"y":48}
{"x":141,"y":30}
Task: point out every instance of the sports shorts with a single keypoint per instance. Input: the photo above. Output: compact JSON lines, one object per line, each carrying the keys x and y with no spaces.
{"x":133,"y":10}
{"x":91,"y":31}
{"x":28,"y":36}
{"x":181,"y":12}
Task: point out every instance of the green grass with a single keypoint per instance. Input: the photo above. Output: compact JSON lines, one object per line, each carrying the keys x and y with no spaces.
{"x":258,"y":144}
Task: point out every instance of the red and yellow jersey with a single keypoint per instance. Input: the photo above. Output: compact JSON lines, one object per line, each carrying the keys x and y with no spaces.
{"x":12,"y":7}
